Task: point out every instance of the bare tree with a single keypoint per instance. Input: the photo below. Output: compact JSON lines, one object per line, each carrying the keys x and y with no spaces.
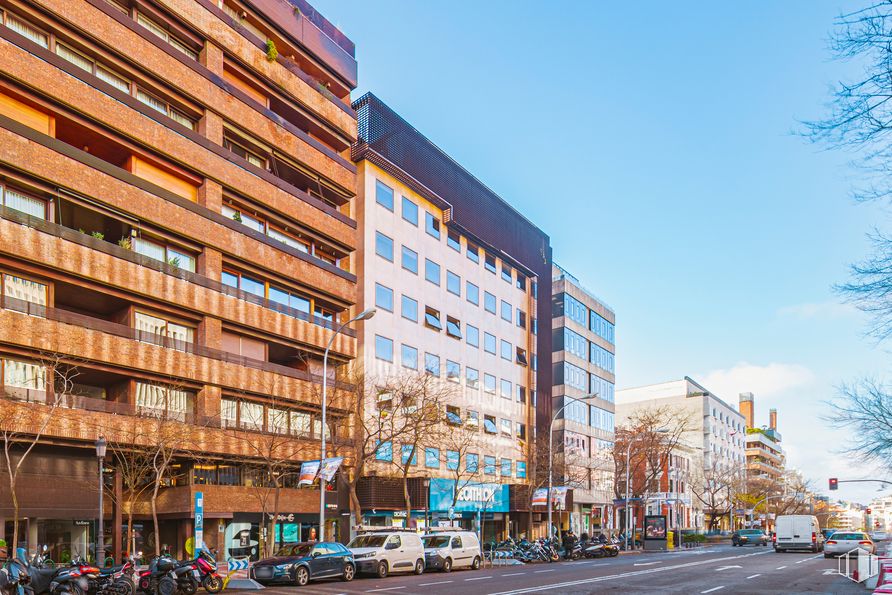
{"x":22,"y":426}
{"x":460,"y":439}
{"x":716,"y":487}
{"x":865,"y":408}
{"x":133,"y":464}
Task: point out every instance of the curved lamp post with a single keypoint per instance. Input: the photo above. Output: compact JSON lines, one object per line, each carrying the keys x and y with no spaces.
{"x":551,"y":447}
{"x":364,"y":315}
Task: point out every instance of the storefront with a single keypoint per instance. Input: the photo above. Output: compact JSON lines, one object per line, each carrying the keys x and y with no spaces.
{"x":481,"y":507}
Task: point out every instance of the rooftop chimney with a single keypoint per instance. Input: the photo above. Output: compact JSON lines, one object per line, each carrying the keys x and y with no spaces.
{"x":746,"y":408}
{"x":772,"y":419}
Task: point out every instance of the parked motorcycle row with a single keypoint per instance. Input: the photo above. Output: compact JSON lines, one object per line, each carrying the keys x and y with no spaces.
{"x":550,"y":550}
{"x":164,"y":576}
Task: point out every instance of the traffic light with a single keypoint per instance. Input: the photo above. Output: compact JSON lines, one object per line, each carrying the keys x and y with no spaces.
{"x":834,"y":483}
{"x":868,"y":511}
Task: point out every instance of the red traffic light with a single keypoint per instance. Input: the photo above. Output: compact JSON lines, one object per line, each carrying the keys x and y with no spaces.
{"x":834,"y":483}
{"x":868,"y":511}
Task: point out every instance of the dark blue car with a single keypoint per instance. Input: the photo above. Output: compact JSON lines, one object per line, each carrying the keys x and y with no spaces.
{"x":300,"y":563}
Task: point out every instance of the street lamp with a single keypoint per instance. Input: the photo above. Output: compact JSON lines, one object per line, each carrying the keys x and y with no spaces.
{"x":101,"y":445}
{"x":551,"y":447}
{"x":364,"y":315}
{"x":628,"y":464}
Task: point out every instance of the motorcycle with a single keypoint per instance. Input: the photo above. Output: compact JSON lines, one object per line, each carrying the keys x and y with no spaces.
{"x":114,"y":580}
{"x":206,"y":568}
{"x":159,"y":578}
{"x":14,"y":577}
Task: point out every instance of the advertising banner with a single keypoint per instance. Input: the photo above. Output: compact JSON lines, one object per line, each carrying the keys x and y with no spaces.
{"x":308,"y":471}
{"x":330,"y":467}
{"x":558,"y":497}
{"x":540,"y":497}
{"x":475,"y":496}
{"x":655,"y":526}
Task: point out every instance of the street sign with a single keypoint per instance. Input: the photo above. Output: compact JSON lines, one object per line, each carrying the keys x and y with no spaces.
{"x":199,"y":520}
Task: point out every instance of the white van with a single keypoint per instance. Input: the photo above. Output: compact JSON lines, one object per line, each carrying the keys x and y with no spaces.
{"x":383,"y":551}
{"x":798,"y":532}
{"x":445,"y":550}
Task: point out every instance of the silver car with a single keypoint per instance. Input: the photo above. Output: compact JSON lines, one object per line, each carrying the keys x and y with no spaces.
{"x":842,"y":542}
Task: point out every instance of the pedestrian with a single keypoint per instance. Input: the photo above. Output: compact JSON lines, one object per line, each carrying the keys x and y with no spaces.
{"x":602,"y":538}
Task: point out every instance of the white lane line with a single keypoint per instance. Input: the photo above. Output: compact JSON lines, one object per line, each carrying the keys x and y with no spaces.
{"x":436,"y":583}
{"x":648,"y":563}
{"x":713,"y":589}
{"x":479,"y":578}
{"x":538,"y":571}
{"x":512,"y":574}
{"x":753,"y":576}
{"x":387,"y":589}
{"x":780,"y":567}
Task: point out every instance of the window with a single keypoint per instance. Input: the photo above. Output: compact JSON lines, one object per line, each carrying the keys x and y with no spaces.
{"x":575,"y":377}
{"x":472,"y":377}
{"x":250,"y":415}
{"x":432,"y":319}
{"x":453,"y":371}
{"x":432,"y":271}
{"x":489,"y":263}
{"x":255,"y":157}
{"x":452,"y":460}
{"x":432,"y":364}
{"x":383,"y":297}
{"x":453,"y":327}
{"x":521,"y":356}
{"x":157,"y":400}
{"x":473,"y":419}
{"x":456,"y":543}
{"x":601,"y":357}
{"x":409,"y":357}
{"x":13,"y":199}
{"x":521,"y":394}
{"x":431,"y":225}
{"x":384,"y":452}
{"x":409,"y":451}
{"x":521,"y":318}
{"x":410,"y":260}
{"x":472,"y":334}
{"x":601,"y":419}
{"x":27,"y":30}
{"x":453,"y":283}
{"x":296,"y":243}
{"x":575,"y":310}
{"x":506,"y":311}
{"x":432,"y":458}
{"x":489,"y":465}
{"x":473,"y":253}
{"x":489,"y":383}
{"x":601,"y":327}
{"x":472,"y":293}
{"x":521,"y":431}
{"x":241,"y":216}
{"x":521,"y":470}
{"x":21,"y":293}
{"x":506,"y":273}
{"x":383,"y":246}
{"x":489,"y":302}
{"x":489,"y":343}
{"x":384,"y":348}
{"x":453,"y":415}
{"x":575,"y":343}
{"x":506,"y":466}
{"x":149,"y":328}
{"x":521,"y":281}
{"x":384,"y":195}
{"x":165,"y":253}
{"x":19,"y":378}
{"x":506,"y":350}
{"x":228,"y":413}
{"x":409,"y":308}
{"x":472,"y":462}
{"x":505,"y":390}
{"x":410,"y":211}
{"x":163,"y":34}
{"x":165,"y":108}
{"x":453,"y":240}
{"x":300,"y":423}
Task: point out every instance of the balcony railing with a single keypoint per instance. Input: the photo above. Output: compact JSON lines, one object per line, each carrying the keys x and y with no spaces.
{"x":120,"y":330}
{"x":71,"y":235}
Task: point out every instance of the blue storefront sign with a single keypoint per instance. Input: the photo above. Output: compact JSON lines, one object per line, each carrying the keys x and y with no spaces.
{"x":473,"y":497}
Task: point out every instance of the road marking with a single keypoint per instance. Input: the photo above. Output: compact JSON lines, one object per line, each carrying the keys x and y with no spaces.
{"x":780,"y":567}
{"x":713,"y":589}
{"x":538,"y":571}
{"x":436,"y":583}
{"x":513,"y":574}
{"x":387,"y":589}
{"x":648,"y":563}
{"x":597,"y":579}
{"x":727,"y":567}
{"x":753,"y":576}
{"x":479,"y":578}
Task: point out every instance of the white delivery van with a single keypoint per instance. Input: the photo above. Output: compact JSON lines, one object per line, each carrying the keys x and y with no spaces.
{"x":381,"y":551}
{"x":445,"y":550}
{"x":798,"y":532}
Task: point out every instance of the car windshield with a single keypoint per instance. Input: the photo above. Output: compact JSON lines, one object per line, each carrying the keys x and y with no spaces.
{"x":750,"y":532}
{"x":850,"y":536}
{"x":432,"y":541}
{"x":294,"y":549}
{"x":367,"y":541}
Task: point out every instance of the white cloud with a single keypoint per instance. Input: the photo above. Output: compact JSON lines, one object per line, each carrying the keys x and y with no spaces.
{"x":765,"y":381}
{"x":818,"y":310}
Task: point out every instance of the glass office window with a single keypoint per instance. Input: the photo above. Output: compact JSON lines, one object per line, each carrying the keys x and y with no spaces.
{"x":383,"y":348}
{"x":472,"y":293}
{"x":489,"y":302}
{"x":472,"y":334}
{"x":384,"y":195}
{"x":410,"y":211}
{"x":431,"y":225}
{"x":453,"y":283}
{"x":409,"y":308}
{"x":409,"y":357}
{"x":409,"y":260}
{"x":383,"y":297}
{"x":384,"y":246}
{"x":431,"y":271}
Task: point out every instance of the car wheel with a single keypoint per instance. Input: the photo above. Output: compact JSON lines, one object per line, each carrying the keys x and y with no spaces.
{"x":419,"y":567}
{"x":382,"y":569}
{"x":349,"y":573}
{"x":447,"y":565}
{"x":301,"y":576}
{"x":826,"y":555}
{"x":475,"y":565}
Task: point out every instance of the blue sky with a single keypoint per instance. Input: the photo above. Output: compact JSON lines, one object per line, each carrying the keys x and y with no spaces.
{"x":653,"y":142}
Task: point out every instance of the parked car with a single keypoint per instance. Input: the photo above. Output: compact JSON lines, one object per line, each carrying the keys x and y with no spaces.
{"x":879,"y":536}
{"x":798,"y":532}
{"x":827,"y":533}
{"x":445,"y":550}
{"x":843,"y":542}
{"x":381,"y":552}
{"x":743,"y":537}
{"x":300,"y":563}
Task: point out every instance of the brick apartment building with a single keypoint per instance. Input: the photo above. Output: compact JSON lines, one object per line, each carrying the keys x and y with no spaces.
{"x":176,"y":239}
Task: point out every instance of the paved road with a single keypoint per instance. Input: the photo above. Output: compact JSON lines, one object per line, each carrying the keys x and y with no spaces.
{"x":717,"y":569}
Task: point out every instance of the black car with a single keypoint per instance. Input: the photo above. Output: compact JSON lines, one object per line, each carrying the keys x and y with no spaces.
{"x":300,"y":563}
{"x":743,"y":537}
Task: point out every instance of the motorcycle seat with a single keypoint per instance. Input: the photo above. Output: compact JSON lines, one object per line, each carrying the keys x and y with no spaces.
{"x":110,"y":569}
